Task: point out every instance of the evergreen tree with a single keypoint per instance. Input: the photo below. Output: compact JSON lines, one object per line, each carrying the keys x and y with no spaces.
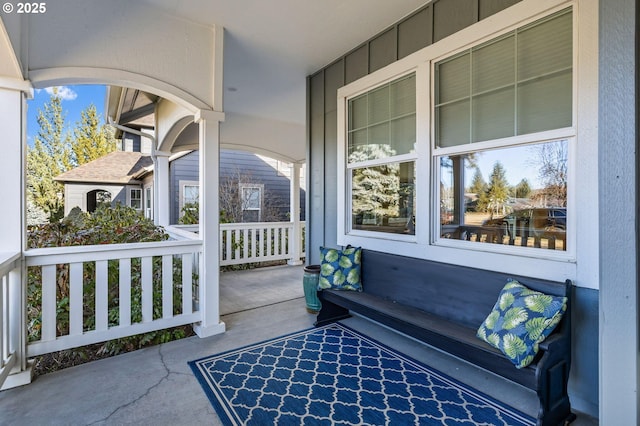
{"x":49,"y":156}
{"x":478,"y":185}
{"x":523,"y":189}
{"x":375,"y":189}
{"x":498,"y":190}
{"x":91,"y":140}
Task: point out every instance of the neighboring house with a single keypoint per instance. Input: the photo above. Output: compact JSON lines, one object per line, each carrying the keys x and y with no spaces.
{"x":118,"y":177}
{"x":266,"y":178}
{"x":127,"y":178}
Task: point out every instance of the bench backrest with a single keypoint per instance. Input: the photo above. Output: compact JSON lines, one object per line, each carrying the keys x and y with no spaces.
{"x":459,"y":293}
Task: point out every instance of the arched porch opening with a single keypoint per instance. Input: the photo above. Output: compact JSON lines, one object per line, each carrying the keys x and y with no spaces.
{"x":97,"y":198}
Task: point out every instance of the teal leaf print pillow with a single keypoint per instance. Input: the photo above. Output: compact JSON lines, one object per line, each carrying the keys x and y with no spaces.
{"x":340,"y":269}
{"x":520,"y":320}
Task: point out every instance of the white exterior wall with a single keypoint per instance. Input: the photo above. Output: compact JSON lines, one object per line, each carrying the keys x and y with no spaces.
{"x":75,"y":194}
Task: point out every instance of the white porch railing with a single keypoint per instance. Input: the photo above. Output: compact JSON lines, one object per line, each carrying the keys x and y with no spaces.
{"x":128,"y":288}
{"x":90,"y":294}
{"x":259,"y":242}
{"x":11,"y":342}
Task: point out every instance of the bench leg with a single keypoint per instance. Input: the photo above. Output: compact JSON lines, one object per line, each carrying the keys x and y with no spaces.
{"x":555,"y":408}
{"x":330,"y":312}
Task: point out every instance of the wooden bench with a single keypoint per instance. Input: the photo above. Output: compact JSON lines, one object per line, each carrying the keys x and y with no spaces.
{"x":443,"y":305}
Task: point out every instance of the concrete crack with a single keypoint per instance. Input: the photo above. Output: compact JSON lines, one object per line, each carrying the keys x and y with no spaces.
{"x":145,"y":394}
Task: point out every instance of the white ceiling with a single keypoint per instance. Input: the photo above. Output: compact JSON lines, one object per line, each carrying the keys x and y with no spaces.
{"x":272,"y":45}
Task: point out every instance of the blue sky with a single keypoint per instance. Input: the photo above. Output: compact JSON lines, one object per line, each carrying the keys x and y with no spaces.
{"x":74,"y":100}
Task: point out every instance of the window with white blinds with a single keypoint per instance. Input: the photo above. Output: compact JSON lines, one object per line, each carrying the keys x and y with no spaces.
{"x":517,"y":84}
{"x":382,"y":122}
{"x":381,"y":138}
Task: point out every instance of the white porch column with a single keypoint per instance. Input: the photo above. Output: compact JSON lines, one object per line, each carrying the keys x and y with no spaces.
{"x":209,"y":145}
{"x":161,"y":188}
{"x":12,"y":167}
{"x":12,"y":225}
{"x":294,"y":206}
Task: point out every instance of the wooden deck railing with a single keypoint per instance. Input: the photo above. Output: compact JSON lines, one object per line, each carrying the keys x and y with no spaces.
{"x":91,"y":294}
{"x":242,"y":243}
{"x":82,"y":295}
{"x":259,"y":242}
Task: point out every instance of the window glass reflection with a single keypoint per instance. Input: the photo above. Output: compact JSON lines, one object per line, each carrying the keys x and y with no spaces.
{"x":515,"y":196}
{"x":383,"y":198}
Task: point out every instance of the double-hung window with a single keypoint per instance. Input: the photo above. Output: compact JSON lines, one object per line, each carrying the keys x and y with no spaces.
{"x":251,"y":202}
{"x":189,"y":196}
{"x":381,"y":154}
{"x":135,"y":198}
{"x":503,"y":127}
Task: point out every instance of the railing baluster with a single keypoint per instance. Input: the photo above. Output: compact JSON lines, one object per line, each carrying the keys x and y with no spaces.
{"x":245,"y":244}
{"x":236,"y":244}
{"x":187,"y":282}
{"x":269,"y":242}
{"x":167,"y":286}
{"x":254,"y":243}
{"x":48,"y":302}
{"x":102,"y":295}
{"x":228,"y":244}
{"x":147,"y":289}
{"x":124,"y":291}
{"x":76,"y":294}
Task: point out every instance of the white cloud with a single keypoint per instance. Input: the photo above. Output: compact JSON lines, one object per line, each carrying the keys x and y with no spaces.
{"x":65,"y":93}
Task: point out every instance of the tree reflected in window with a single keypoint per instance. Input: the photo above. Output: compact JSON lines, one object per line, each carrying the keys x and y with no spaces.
{"x":512,"y":196}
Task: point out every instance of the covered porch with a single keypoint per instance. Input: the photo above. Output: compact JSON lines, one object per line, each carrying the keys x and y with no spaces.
{"x":277,"y":81}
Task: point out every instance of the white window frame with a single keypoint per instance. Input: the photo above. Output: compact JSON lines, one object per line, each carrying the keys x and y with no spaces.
{"x":582,"y":164}
{"x":148,"y":201}
{"x":132,"y":198}
{"x":260,"y":188}
{"x":181,"y":198}
{"x":566,"y":133}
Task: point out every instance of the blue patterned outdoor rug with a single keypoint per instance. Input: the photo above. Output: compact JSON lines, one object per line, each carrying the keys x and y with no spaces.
{"x":335,"y":375}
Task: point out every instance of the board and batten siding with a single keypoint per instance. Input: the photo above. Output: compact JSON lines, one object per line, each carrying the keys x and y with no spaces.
{"x":428,"y":25}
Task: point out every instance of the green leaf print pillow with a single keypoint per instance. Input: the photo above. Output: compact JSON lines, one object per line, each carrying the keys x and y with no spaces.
{"x":340,"y":269}
{"x":520,"y":320}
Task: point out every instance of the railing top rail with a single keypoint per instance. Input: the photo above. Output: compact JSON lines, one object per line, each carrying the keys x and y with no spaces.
{"x":8,"y":261}
{"x":254,"y":225}
{"x":9,"y":256}
{"x":180,"y":232}
{"x":70,"y":254}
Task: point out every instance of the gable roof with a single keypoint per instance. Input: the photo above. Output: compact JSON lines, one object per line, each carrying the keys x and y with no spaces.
{"x":120,"y":167}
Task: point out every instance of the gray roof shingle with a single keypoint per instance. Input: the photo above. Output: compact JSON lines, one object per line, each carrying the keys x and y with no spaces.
{"x":121,"y":167}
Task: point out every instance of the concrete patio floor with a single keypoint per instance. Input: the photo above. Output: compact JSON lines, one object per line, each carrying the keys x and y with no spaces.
{"x":155,"y":386}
